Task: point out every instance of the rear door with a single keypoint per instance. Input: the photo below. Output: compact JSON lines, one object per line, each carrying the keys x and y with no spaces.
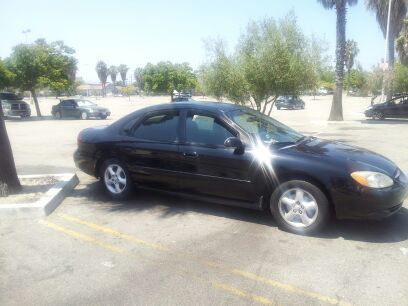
{"x":150,"y":150}
{"x":208,"y":167}
{"x":68,"y":108}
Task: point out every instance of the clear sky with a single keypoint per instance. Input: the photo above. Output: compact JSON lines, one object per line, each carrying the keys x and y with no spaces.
{"x":134,"y":32}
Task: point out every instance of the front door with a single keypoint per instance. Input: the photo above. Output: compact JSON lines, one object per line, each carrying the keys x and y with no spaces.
{"x":209,"y":168}
{"x":151,"y":150}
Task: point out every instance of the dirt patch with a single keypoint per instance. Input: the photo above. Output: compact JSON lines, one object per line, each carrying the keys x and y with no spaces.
{"x":33,"y":189}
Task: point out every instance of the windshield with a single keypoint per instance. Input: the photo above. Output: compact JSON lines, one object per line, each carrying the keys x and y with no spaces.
{"x":264,"y":128}
{"x":85,"y":103}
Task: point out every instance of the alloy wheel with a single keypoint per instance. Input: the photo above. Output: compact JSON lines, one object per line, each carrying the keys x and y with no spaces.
{"x":115,"y":179}
{"x":298,"y":207}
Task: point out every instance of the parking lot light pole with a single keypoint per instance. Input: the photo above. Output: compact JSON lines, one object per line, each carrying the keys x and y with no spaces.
{"x":386,"y":55}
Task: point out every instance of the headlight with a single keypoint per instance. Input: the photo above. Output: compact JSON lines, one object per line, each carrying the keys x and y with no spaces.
{"x":372,"y":179}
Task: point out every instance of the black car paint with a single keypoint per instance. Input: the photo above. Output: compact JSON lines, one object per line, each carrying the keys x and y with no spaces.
{"x":226,"y":176}
{"x":70,"y":108}
{"x":396,"y":107}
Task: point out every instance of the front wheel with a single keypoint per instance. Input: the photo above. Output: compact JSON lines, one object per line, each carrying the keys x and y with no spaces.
{"x":300,"y":207}
{"x":57,"y":115}
{"x":84,"y":115}
{"x":278,"y":107}
{"x":377,"y":115}
{"x":116,"y":179}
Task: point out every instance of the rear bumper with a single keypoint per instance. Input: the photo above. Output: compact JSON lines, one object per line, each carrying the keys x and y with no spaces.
{"x":85,"y":163}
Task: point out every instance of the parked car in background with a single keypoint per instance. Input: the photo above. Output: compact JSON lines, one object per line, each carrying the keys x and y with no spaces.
{"x":14,"y":106}
{"x":79,"y":108}
{"x":322,"y":92}
{"x":233,"y":155}
{"x":181,"y":97}
{"x":397,"y":107}
{"x":290,"y":102}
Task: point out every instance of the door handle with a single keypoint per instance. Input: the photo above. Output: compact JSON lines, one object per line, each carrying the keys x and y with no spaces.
{"x":190,"y":154}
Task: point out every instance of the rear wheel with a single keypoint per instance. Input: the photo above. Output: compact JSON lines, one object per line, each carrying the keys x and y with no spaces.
{"x":278,"y":107}
{"x":300,"y":207}
{"x":57,"y":115}
{"x":116,"y":179}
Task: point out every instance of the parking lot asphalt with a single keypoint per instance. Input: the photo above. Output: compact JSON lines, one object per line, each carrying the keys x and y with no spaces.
{"x":161,"y":250}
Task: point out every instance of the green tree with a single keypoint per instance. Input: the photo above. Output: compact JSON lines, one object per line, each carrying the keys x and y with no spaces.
{"x":128,"y":90}
{"x":103,"y":72}
{"x":165,"y":77}
{"x":138,"y":74}
{"x":9,"y":181}
{"x":400,"y":78}
{"x":336,"y":112}
{"x":351,"y":51}
{"x":123,"y":69}
{"x":402,"y":43}
{"x":357,"y":79}
{"x":398,"y":13}
{"x":113,"y":72}
{"x":41,"y":65}
{"x":271,"y":59}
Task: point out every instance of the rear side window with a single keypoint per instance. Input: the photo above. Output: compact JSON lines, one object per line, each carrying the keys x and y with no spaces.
{"x":206,"y":130}
{"x":161,"y":127}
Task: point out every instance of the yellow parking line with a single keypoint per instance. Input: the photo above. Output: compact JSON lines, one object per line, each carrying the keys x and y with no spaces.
{"x":248,"y":275}
{"x":81,"y":237}
{"x":217,"y":285}
{"x":243,"y":294}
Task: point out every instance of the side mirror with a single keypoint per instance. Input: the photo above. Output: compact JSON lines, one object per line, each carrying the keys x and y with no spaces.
{"x":234,"y":142}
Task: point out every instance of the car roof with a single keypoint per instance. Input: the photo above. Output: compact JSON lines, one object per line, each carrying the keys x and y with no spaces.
{"x":204,"y":105}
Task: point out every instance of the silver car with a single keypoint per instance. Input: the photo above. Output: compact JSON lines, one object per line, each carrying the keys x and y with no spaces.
{"x":14,"y":106}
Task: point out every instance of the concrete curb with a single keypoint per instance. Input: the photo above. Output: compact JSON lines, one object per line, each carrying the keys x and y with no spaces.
{"x":48,"y":203}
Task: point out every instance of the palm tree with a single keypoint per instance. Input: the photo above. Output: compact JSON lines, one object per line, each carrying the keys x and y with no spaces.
{"x":123,"y":69}
{"x":102,"y":71}
{"x":113,"y":72}
{"x":398,"y":12}
{"x":351,"y":51}
{"x":336,"y":112}
{"x":402,"y":43}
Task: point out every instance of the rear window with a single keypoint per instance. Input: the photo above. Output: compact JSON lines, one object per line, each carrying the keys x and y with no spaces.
{"x":9,"y":96}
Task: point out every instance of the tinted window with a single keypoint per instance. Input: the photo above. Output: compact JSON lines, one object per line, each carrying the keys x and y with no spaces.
{"x":208,"y":130}
{"x":160,"y":127}
{"x":68,"y":103}
{"x":9,"y":96}
{"x":264,"y":128}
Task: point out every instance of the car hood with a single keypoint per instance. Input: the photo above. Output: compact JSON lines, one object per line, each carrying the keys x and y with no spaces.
{"x":351,"y":157}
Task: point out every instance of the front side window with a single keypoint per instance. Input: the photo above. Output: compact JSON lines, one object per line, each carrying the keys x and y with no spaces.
{"x":159,"y":127}
{"x":264,"y":128}
{"x":206,"y":130}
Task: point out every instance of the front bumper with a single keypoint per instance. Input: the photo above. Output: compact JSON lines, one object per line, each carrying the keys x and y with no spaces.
{"x":100,"y":114}
{"x":369,"y":203}
{"x":17,"y":113}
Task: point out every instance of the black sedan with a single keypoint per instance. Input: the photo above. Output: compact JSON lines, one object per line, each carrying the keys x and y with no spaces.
{"x":396,"y":107}
{"x":79,"y":108}
{"x":290,"y":102}
{"x":233,"y":155}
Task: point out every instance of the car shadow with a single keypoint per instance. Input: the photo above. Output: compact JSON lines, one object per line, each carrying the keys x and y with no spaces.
{"x":384,"y":121}
{"x":391,"y":230}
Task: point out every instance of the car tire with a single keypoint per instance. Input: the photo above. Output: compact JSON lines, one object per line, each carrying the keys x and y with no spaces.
{"x":104,"y":117}
{"x":377,"y":115}
{"x":57,"y":115}
{"x":278,"y":107}
{"x":84,"y":116}
{"x":116,"y":179}
{"x":288,"y":207}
